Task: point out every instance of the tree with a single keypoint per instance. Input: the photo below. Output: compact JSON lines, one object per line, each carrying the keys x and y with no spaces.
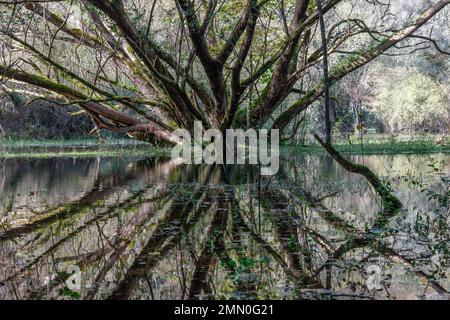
{"x":224,"y":63}
{"x":410,"y":101}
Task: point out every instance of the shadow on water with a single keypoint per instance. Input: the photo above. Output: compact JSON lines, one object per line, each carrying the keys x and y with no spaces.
{"x":148,"y":229}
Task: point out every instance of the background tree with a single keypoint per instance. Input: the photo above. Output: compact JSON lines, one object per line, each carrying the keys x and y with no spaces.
{"x":411,"y":102}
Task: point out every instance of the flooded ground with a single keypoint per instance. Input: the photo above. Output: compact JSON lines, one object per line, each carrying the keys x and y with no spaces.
{"x":116,"y":228}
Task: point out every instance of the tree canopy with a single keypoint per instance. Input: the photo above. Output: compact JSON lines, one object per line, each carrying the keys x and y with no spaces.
{"x":146,"y":68}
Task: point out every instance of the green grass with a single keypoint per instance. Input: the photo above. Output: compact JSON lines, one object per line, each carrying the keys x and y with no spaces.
{"x":156,"y":153}
{"x":86,"y":148}
{"x":377,"y":148}
{"x":78,"y":148}
{"x":75,"y":143}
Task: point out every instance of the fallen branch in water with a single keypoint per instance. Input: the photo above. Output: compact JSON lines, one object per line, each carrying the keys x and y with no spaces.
{"x":392,"y":204}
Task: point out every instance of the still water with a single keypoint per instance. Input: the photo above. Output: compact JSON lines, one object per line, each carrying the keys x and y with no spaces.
{"x":155,"y":229}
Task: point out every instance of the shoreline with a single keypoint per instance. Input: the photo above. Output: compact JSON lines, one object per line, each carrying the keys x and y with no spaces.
{"x":89,"y":148}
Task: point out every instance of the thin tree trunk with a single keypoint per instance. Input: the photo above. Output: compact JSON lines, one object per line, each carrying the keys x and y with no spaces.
{"x":326,"y":80}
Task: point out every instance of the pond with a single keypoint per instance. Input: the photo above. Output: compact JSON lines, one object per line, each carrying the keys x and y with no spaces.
{"x":136,"y":228}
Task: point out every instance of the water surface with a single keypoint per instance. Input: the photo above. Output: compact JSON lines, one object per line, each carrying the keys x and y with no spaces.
{"x":154,"y":229}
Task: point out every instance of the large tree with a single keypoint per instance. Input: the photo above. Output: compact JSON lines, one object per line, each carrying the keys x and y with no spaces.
{"x":148,"y":67}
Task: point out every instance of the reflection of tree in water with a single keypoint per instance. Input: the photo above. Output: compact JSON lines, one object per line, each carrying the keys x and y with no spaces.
{"x":166,"y":232}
